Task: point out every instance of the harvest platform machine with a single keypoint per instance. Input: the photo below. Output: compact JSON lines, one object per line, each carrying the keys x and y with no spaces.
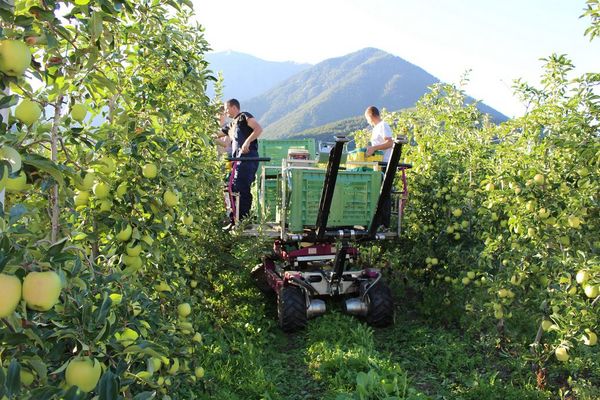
{"x":317,"y":215}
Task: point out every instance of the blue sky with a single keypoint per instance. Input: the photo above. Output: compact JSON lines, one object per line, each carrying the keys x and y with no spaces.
{"x":497,"y":40}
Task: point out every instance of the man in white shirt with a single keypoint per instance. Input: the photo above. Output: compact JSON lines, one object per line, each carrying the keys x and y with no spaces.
{"x":381,"y":136}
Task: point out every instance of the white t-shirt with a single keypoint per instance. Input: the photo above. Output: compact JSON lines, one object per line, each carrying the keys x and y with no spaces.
{"x":381,"y":131}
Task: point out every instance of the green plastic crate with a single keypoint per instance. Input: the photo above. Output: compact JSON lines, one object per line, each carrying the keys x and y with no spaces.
{"x":268,"y":203}
{"x":354,"y":199}
{"x":277,"y":149}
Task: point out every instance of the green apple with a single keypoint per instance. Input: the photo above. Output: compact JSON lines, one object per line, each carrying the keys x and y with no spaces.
{"x":489,"y":187}
{"x":574,"y":221}
{"x":125,"y":234}
{"x":134,"y":262}
{"x":88,"y":181}
{"x":41,"y":290}
{"x":582,"y":276}
{"x":107,"y":165}
{"x":116,"y":298}
{"x":171,"y":199}
{"x":106,"y":205}
{"x":81,"y":198}
{"x":78,"y":112}
{"x":187,"y":219}
{"x":471,"y":274}
{"x":17,"y":184}
{"x":150,"y":170}
{"x":127,"y":337}
{"x":591,"y":291}
{"x":561,"y":354}
{"x":466,"y":280}
{"x":10,"y":294}
{"x":133,"y":249}
{"x":199,"y":372}
{"x":26,"y":377}
{"x":184,"y":310}
{"x":15,"y":57}
{"x":154,"y":363}
{"x":591,"y":339}
{"x":101,"y":190}
{"x":84,"y":373}
{"x":121,"y":189}
{"x":538,"y":179}
{"x":546,"y":324}
{"x":28,"y":111}
{"x":457,"y":212}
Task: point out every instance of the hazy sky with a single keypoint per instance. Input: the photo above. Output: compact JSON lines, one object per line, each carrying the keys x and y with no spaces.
{"x":498,"y":40}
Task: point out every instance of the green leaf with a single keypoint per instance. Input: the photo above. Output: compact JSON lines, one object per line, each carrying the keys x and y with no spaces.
{"x":45,"y":165}
{"x":45,"y":393}
{"x":9,"y":101}
{"x":95,"y":26}
{"x":104,"y":308}
{"x":108,"y":387}
{"x":56,"y":248}
{"x":74,"y":394}
{"x":145,"y":396}
{"x":13,"y":379}
{"x":16,"y":212}
{"x":23,"y":21}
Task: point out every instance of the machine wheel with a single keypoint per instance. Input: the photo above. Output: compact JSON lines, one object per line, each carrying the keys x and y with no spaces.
{"x":381,"y":305}
{"x":260,"y":278}
{"x":291,"y":309}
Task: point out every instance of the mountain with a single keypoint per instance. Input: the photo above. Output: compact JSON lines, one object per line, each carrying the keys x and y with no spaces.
{"x":246,"y":76}
{"x":340,"y":88}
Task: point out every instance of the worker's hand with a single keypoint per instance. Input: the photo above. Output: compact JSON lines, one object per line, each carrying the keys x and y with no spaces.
{"x":245,"y":148}
{"x":370,"y":151}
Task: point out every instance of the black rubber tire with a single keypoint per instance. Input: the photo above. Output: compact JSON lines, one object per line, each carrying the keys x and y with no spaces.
{"x":381,"y":306}
{"x":260,"y":279}
{"x":291,"y":309}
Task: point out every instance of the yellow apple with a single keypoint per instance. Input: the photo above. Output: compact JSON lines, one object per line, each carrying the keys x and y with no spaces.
{"x":184,"y":310}
{"x":561,"y":353}
{"x":28,"y":111}
{"x":149,"y":170}
{"x":41,"y":290}
{"x":171,"y":199}
{"x":101,"y":190}
{"x":78,"y":112}
{"x":10,"y":294}
{"x":15,"y":57}
{"x":84,"y":373}
{"x":125,"y":233}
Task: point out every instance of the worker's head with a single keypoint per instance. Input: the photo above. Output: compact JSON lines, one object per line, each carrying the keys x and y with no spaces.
{"x":372,"y":115}
{"x":232,"y":107}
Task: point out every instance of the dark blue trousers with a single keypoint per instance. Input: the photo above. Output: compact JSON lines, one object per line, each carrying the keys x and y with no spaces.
{"x":242,"y":181}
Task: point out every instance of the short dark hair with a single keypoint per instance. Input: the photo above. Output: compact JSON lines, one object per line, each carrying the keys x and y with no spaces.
{"x":372,"y":111}
{"x":233,"y":102}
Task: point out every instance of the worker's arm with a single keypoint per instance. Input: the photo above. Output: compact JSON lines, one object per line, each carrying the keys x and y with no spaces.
{"x":257,"y":130}
{"x":383,"y":146}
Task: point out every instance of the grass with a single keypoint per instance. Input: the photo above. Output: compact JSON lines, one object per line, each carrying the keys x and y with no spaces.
{"x":339,"y":357}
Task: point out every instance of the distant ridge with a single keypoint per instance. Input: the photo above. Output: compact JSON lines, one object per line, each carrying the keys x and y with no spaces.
{"x":340,"y":88}
{"x":246,"y":76}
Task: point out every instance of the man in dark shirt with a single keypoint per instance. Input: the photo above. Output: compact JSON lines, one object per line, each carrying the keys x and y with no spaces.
{"x":243,"y":130}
